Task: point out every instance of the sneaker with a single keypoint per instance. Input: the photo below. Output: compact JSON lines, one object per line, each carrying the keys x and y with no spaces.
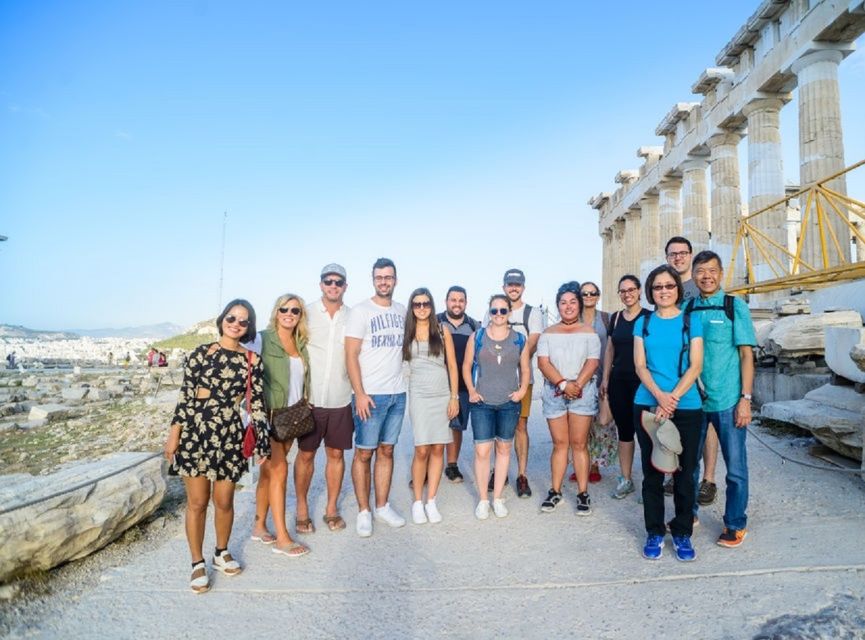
{"x":694,"y":526}
{"x":594,"y":474}
{"x":364,"y":524}
{"x":732,"y":538}
{"x":491,"y":486}
{"x":418,"y":515}
{"x":390,"y":517}
{"x":654,"y":547}
{"x":623,"y":488}
{"x":499,"y":508}
{"x":553,"y":499}
{"x":452,"y":473}
{"x":684,"y":551}
{"x":668,"y":486}
{"x":584,"y":504}
{"x":482,"y":511}
{"x":523,"y":489}
{"x":226,"y":564}
{"x":707,"y":493}
{"x":432,"y":512}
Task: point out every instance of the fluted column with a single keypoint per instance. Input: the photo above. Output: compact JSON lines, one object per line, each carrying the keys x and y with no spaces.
{"x":618,"y":248}
{"x":651,"y":245}
{"x":632,"y":241}
{"x":695,"y":203}
{"x":765,"y":180}
{"x":669,"y":209}
{"x":606,"y":268}
{"x":726,"y":199}
{"x":821,"y":147}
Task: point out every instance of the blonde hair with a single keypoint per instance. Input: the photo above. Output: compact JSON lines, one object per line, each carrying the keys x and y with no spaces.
{"x":301,"y":329}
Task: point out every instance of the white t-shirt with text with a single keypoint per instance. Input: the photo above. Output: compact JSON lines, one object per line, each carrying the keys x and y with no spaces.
{"x":381,"y":329}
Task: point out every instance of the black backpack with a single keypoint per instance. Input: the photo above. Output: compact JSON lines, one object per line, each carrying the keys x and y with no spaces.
{"x":527,"y":311}
{"x":686,"y":339}
{"x":727,"y":307}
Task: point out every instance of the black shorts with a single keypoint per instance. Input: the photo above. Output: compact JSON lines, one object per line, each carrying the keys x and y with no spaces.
{"x":334,"y":426}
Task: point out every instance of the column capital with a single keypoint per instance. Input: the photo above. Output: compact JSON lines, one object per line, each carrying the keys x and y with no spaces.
{"x":649,"y":200}
{"x":821,"y":55}
{"x":724,"y":138}
{"x":694,"y":163}
{"x":670,"y":182}
{"x":774,"y":103}
{"x":630,"y":214}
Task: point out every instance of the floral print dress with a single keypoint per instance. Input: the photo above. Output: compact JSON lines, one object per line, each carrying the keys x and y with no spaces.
{"x":211,"y":436}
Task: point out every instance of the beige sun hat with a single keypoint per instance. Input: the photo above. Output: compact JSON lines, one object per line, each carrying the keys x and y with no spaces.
{"x":666,"y":443}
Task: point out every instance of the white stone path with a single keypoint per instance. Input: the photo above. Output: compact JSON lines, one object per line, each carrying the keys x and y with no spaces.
{"x":530,"y":575}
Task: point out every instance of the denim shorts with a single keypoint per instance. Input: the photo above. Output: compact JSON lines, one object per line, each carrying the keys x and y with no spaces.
{"x":497,"y":421}
{"x":384,"y":422}
{"x":557,"y":406}
{"x":461,"y":421}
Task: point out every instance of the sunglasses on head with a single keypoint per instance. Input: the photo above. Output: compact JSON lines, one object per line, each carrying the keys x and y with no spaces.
{"x":234,"y":319}
{"x":499,"y":311}
{"x":659,"y":287}
{"x":295,"y":311}
{"x":333,"y":281}
{"x":424,"y":304}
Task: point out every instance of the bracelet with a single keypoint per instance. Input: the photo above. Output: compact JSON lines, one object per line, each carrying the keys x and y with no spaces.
{"x":455,"y":397}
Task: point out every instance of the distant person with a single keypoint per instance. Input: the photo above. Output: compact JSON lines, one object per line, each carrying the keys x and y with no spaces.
{"x":496,"y":373}
{"x":461,"y":326}
{"x":429,"y":351}
{"x":110,"y":358}
{"x":150,"y":356}
{"x":126,"y":360}
{"x":10,"y":360}
{"x":205,"y":441}
{"x":373,"y":357}
{"x":162,"y":361}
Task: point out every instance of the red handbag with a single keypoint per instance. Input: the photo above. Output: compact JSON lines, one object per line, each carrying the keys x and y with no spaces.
{"x":249,"y":438}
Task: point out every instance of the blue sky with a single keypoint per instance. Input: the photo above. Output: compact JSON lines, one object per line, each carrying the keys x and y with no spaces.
{"x":459,"y":139}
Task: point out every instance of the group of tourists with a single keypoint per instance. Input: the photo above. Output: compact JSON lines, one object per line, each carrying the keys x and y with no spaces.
{"x":358,"y":369}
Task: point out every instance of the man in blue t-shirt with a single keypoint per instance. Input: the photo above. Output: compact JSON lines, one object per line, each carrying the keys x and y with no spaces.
{"x":728,"y":378}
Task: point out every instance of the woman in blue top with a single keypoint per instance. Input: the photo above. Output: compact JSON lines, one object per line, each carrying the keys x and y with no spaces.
{"x":668,"y":358}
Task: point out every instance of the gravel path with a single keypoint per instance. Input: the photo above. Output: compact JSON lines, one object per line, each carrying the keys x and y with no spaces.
{"x":531,"y":575}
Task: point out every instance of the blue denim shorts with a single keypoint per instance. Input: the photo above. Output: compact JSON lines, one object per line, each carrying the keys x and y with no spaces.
{"x":497,"y":421}
{"x":384,"y":422}
{"x":557,"y":406}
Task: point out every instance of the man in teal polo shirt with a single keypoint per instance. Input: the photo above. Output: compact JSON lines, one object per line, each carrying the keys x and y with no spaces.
{"x":728,"y":379}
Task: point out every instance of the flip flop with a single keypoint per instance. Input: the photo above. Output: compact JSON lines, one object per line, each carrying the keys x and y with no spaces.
{"x":264,"y":538}
{"x":294,"y":550}
{"x":304,"y":526}
{"x":334,"y":523}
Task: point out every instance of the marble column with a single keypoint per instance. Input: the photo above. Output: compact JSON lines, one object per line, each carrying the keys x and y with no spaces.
{"x":821,"y":149}
{"x":651,"y":246}
{"x":669,"y":209}
{"x":618,"y":250}
{"x":726,"y":199}
{"x":633,"y":240}
{"x":765,"y":184}
{"x":606,"y":270}
{"x":695,"y":203}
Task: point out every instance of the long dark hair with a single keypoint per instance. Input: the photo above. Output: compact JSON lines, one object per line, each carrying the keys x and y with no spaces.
{"x":249,"y":336}
{"x":436,"y":344}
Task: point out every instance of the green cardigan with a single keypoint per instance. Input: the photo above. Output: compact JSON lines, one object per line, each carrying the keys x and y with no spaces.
{"x":276,"y":369}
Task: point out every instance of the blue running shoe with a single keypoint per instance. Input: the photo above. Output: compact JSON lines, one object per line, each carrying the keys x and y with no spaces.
{"x":654,"y":548}
{"x":684,"y":551}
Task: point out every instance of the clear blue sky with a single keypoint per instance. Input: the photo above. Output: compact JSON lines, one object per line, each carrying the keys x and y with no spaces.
{"x":459,"y":139}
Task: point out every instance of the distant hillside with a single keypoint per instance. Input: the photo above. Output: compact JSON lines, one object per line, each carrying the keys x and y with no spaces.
{"x":146,"y":332}
{"x":17,"y":331}
{"x":197,"y":334}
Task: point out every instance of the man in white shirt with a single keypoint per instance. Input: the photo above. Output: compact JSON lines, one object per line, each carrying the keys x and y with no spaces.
{"x":373,"y":352}
{"x":330,"y":397}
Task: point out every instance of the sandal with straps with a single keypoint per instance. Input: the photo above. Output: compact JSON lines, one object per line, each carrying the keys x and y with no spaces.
{"x":304,"y":526}
{"x":199,"y":582}
{"x":226,"y":564}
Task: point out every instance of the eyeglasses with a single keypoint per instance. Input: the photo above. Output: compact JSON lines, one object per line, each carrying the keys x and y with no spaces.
{"x":384,"y":278}
{"x":424,"y":304}
{"x":628,"y":290}
{"x":660,"y":287}
{"x":499,"y":311}
{"x":678,"y":254}
{"x":333,"y":281}
{"x":236,"y":320}
{"x":295,"y":311}
{"x":590,"y":294}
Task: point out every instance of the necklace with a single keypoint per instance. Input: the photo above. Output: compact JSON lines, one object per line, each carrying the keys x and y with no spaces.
{"x":569,"y":322}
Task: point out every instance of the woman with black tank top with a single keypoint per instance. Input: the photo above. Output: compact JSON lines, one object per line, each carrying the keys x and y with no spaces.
{"x":620,"y":379}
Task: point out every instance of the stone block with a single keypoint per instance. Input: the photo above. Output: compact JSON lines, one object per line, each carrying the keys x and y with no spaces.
{"x":74,"y":393}
{"x":30,"y":381}
{"x":839,"y":344}
{"x":49,"y":412}
{"x":42,"y":529}
{"x":771,"y":386}
{"x":797,"y":336}
{"x":857,"y":355}
{"x":98,"y":395}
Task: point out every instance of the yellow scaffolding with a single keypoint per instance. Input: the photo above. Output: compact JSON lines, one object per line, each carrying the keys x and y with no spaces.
{"x":788,"y":268}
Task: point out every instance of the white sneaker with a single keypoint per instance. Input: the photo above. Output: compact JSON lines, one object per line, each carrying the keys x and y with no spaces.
{"x":418,"y":515}
{"x":387,"y":515}
{"x":499,"y":508}
{"x":432,"y":512}
{"x":364,"y":524}
{"x":482,"y":511}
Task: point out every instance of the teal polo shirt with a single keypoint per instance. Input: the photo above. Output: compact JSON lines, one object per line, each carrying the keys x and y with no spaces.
{"x":721,"y":341}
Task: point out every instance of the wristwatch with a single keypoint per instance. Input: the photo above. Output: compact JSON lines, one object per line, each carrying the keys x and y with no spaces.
{"x":563,"y":385}
{"x":747,"y":396}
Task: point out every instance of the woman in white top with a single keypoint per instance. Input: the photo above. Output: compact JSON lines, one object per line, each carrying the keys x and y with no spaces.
{"x":568,"y":357}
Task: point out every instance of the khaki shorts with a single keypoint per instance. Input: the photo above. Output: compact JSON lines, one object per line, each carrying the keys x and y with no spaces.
{"x":526,"y":404}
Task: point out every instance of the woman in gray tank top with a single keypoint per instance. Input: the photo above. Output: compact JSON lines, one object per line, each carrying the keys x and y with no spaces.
{"x":496,"y":373}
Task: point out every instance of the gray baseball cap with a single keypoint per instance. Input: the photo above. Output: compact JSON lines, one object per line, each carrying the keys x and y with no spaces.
{"x":514,"y":276}
{"x":334,"y":268}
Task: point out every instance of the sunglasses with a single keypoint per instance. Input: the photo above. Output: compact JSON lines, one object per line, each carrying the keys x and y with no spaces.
{"x":499,"y":311}
{"x":333,"y":281}
{"x":235,"y":320}
{"x":660,"y":287}
{"x":589,"y":294}
{"x":295,"y":311}
{"x":425,"y":304}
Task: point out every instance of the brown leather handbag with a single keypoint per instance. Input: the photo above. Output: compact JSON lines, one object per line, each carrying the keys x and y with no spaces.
{"x":291,"y":422}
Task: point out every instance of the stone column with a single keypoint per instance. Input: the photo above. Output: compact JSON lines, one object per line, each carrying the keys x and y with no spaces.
{"x":651,"y":245}
{"x":669,"y":209}
{"x":695,"y":203}
{"x":606,"y":271}
{"x":618,"y":250}
{"x":633,"y":240}
{"x":821,"y":148}
{"x":765,"y":183}
{"x":726,"y":199}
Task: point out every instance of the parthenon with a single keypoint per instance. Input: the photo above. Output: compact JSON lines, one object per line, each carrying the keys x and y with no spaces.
{"x":786,"y":45}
